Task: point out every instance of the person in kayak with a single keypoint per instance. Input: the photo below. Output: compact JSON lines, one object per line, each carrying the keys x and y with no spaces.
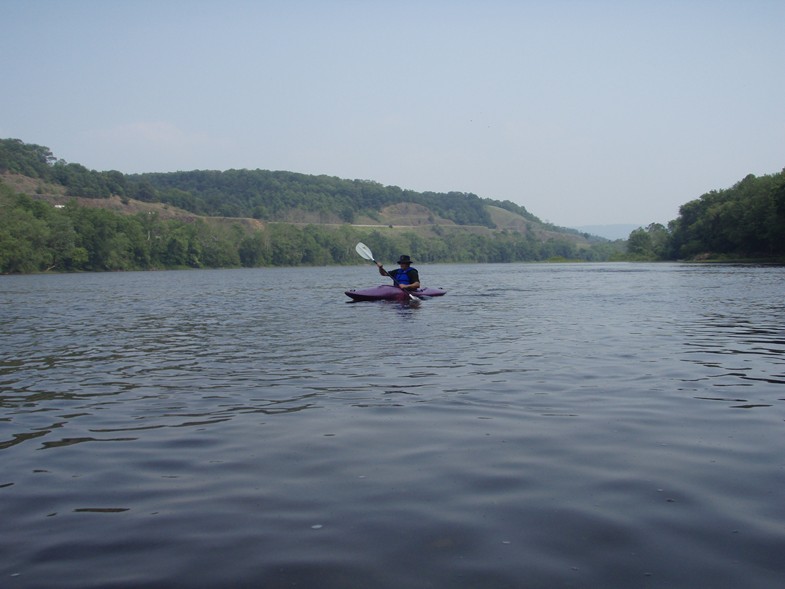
{"x":404,"y":277}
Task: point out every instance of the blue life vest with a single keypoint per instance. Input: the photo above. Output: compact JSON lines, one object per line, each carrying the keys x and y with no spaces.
{"x":401,"y":276}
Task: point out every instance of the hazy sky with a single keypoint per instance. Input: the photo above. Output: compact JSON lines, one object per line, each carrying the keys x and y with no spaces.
{"x":585,"y":112}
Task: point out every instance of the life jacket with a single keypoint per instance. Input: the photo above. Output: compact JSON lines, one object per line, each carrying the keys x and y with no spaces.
{"x":401,"y":276}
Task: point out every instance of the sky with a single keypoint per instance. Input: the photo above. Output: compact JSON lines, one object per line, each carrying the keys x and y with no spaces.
{"x":584,"y":112}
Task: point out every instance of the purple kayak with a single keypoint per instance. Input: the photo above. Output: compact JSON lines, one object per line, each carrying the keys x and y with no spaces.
{"x":388,"y":292}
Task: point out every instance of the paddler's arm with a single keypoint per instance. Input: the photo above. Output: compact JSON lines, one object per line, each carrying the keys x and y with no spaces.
{"x":382,"y":271}
{"x":414,"y":276}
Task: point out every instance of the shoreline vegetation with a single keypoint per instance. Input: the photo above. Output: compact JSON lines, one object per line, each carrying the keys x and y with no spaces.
{"x":61,"y":217}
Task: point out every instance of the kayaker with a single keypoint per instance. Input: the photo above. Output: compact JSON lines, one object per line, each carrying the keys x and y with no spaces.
{"x":405,"y":277}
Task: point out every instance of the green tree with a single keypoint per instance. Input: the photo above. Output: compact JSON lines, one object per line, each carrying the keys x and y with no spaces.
{"x":30,"y":160}
{"x":650,"y":243}
{"x":23,"y":243}
{"x":740,"y":221}
{"x":254,"y":250}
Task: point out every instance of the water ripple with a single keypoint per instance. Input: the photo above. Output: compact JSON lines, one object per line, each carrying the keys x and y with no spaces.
{"x":560,"y":425}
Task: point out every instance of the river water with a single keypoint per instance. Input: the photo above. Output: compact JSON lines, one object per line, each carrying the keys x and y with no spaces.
{"x":540,"y":426}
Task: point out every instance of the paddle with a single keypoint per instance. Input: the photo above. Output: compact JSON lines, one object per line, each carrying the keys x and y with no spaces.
{"x":365,"y":252}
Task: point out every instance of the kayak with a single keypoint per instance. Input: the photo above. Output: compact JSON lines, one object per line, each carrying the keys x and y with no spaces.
{"x":388,"y":292}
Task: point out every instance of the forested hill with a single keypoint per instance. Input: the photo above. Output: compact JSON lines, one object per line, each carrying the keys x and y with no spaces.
{"x":258,"y":217}
{"x":62,"y":216}
{"x":269,"y":195}
{"x":259,"y":194}
{"x":743,"y":222}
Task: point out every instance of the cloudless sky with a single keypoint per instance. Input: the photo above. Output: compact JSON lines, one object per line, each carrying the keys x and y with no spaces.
{"x":585,"y":112}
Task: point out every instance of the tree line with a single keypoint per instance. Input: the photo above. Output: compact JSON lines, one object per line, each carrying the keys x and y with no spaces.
{"x":36,"y":236}
{"x":745,"y":221}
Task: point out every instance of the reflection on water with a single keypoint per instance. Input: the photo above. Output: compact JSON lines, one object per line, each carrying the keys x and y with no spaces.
{"x":563,"y":425}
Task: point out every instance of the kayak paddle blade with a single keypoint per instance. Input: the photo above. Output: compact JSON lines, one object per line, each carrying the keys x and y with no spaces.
{"x":364,"y":252}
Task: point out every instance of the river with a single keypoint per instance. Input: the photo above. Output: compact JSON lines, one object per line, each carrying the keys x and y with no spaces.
{"x":540,"y":426}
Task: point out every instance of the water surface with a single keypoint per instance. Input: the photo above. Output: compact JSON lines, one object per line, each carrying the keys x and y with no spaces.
{"x":591,"y":425}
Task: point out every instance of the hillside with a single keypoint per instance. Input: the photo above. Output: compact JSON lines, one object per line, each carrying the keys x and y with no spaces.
{"x":395,"y":218}
{"x":259,"y":194}
{"x":250,"y":218}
